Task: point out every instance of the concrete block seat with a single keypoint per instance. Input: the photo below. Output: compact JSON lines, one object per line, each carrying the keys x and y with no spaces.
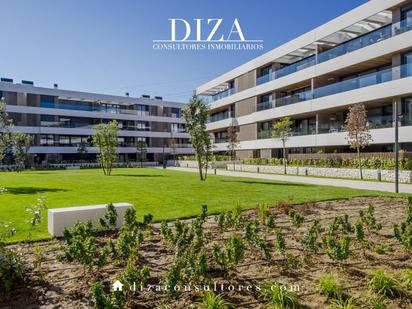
{"x":61,"y":218}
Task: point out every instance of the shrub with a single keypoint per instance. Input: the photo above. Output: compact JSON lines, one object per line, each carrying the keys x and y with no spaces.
{"x":232,"y":253}
{"x":12,"y":269}
{"x":101,"y":300}
{"x":109,"y":219}
{"x":369,"y":218}
{"x":81,"y":246}
{"x":190,"y":263}
{"x":36,"y":210}
{"x":134,"y":275}
{"x":328,"y":286}
{"x":263,"y":212}
{"x":403,"y":233}
{"x":372,"y":163}
{"x":297,"y":219}
{"x":280,"y":242}
{"x":359,"y":230}
{"x":310,"y":239}
{"x":279,"y":296}
{"x":384,"y":284}
{"x":210,"y":300}
{"x":172,"y":280}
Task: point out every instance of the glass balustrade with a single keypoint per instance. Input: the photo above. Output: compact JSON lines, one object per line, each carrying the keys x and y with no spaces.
{"x":264,"y":134}
{"x":92,"y":108}
{"x":223,"y":94}
{"x":264,"y":105}
{"x":342,"y":49}
{"x":220,"y":116}
{"x":294,"y":98}
{"x":364,"y":80}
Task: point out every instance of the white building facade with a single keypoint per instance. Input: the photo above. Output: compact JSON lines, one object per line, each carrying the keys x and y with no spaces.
{"x":363,"y":56}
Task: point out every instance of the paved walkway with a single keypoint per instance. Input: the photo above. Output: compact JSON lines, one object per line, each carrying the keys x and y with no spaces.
{"x":356,"y":184}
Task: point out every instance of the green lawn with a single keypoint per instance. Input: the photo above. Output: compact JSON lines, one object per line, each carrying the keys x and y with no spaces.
{"x":165,"y":194}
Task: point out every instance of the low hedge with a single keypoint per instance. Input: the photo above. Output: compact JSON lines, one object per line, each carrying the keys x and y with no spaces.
{"x":371,"y":163}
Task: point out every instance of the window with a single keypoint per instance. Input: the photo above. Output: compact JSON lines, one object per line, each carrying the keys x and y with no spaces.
{"x":266,"y":70}
{"x":407,"y":111}
{"x":64,"y":140}
{"x":174,"y":127}
{"x":175,"y":112}
{"x":142,"y":125}
{"x":47,"y":101}
{"x":406,"y":14}
{"x":47,"y":140}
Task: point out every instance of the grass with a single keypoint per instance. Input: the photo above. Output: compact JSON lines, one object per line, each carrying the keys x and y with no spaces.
{"x":328,"y":286}
{"x":384,"y":283}
{"x":166,"y":194}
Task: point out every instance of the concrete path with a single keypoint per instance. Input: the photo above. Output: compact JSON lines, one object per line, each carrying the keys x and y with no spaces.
{"x":356,"y":184}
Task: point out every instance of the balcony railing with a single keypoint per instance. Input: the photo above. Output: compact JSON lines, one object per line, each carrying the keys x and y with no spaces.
{"x":93,"y":108}
{"x":264,"y":134}
{"x":261,"y":106}
{"x":380,"y":122}
{"x":220,"y":116}
{"x":367,"y":39}
{"x":220,"y":140}
{"x":223,"y":94}
{"x":355,"y":83}
{"x":294,"y":98}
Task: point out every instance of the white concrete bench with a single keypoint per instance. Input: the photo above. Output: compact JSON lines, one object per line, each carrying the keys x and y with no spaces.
{"x":61,"y":218}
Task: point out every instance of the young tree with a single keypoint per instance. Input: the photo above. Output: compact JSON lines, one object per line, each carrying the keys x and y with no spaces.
{"x":141,"y":148}
{"x":21,"y":146}
{"x":105,"y":139}
{"x":281,"y":129}
{"x":5,"y":126}
{"x":358,"y":135}
{"x":195,"y":115}
{"x":232,"y":142}
{"x":82,"y":151}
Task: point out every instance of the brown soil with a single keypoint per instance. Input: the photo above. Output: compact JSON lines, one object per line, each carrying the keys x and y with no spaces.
{"x":62,"y":285}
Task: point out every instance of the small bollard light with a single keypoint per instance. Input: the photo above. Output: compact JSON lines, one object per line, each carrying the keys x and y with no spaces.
{"x":379,"y":175}
{"x":215,"y":171}
{"x":258,"y":169}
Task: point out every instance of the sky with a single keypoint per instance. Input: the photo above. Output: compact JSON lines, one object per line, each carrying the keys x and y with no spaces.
{"x":106,"y":46}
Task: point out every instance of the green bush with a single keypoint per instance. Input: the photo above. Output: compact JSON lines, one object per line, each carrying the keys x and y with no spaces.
{"x":369,"y":163}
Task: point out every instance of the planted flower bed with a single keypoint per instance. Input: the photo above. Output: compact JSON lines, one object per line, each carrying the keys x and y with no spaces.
{"x":332,"y":253}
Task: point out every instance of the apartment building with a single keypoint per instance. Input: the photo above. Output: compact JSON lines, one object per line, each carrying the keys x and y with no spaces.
{"x":363,"y":56}
{"x":62,"y":120}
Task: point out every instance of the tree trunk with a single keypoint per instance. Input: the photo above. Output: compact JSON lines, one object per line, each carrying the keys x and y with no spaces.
{"x":207,"y":164}
{"x":199,"y":163}
{"x":360,"y":164}
{"x":284,"y":158}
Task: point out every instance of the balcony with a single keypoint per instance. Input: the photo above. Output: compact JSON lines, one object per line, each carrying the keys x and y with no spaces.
{"x":355,"y":83}
{"x":92,"y":108}
{"x":223,"y":94}
{"x":220,"y":116}
{"x":294,"y":98}
{"x":365,"y":40}
{"x":261,"y":106}
{"x":264,"y":134}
